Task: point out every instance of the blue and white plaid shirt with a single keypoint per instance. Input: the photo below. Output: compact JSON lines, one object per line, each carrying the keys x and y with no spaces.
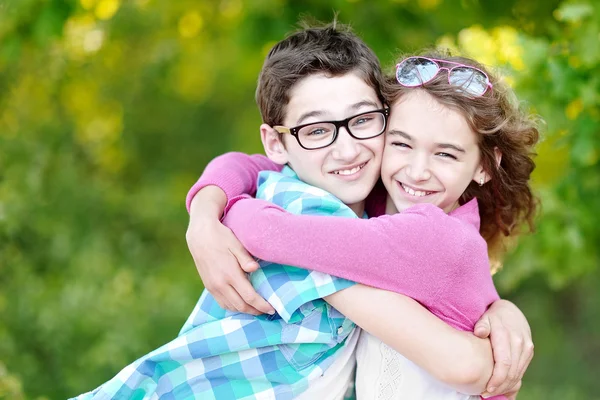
{"x":228,"y":355}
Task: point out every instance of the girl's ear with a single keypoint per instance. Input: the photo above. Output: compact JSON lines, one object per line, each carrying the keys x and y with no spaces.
{"x":498,"y":155}
{"x":481,"y":176}
{"x":273,"y":144}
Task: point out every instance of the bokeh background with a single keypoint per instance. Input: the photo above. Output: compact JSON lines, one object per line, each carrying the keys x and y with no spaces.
{"x":110,"y":109}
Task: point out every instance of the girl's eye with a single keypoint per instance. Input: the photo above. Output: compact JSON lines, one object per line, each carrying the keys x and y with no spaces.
{"x":447,"y":155}
{"x":400,"y":144}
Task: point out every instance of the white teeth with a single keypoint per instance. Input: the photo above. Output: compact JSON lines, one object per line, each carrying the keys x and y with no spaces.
{"x":349,"y":171}
{"x":412,"y":192}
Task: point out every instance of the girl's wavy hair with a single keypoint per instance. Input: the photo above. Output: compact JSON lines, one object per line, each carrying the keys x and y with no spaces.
{"x":506,"y":203}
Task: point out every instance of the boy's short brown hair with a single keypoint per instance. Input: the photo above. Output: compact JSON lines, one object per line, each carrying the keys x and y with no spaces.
{"x":332,"y":49}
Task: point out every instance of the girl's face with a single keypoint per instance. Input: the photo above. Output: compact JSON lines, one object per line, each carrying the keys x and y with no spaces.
{"x":430,"y":156}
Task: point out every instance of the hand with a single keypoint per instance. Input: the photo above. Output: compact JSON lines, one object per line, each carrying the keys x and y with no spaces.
{"x":512,"y":395}
{"x":219,"y":256}
{"x":512,"y":346}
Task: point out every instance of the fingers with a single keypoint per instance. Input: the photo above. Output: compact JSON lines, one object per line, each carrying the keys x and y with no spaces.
{"x":521,"y":355}
{"x":243,"y":287}
{"x":250,"y":266}
{"x":221,"y":301}
{"x":526,"y":357}
{"x":237,"y":302}
{"x":238,"y":292}
{"x":513,"y":355}
{"x":252,"y":298}
{"x":501,"y":348}
{"x":482,"y":328}
{"x":222,"y":263}
{"x":246,"y":261}
{"x":512,"y":395}
{"x":516,"y":350}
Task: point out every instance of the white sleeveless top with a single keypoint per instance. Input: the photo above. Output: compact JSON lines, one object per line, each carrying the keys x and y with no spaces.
{"x":384,"y":374}
{"x":339,"y":377}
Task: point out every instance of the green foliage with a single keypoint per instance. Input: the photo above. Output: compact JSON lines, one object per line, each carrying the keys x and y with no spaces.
{"x":109,"y":110}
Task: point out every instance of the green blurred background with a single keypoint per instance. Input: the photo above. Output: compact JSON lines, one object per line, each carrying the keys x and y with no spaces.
{"x":110,"y":109}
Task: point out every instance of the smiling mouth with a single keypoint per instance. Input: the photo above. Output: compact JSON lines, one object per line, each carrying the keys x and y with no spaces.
{"x":415,"y":192}
{"x":350,"y":171}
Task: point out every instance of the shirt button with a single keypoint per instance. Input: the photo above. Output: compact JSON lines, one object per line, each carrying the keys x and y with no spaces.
{"x":340,"y":330}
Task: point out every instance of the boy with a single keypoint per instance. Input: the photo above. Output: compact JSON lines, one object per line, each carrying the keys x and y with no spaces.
{"x":221,"y":354}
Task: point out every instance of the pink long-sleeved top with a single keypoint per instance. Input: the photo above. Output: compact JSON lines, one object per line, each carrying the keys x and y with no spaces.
{"x":435,"y":258}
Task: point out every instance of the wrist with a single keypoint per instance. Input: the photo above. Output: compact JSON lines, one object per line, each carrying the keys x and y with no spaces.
{"x":208,"y":203}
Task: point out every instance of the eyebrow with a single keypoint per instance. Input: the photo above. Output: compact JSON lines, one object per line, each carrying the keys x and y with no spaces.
{"x":363,"y":103}
{"x":310,"y":114}
{"x":439,"y":145}
{"x":319,"y":113}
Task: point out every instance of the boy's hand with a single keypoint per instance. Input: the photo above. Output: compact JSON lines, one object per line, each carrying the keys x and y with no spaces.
{"x":219,"y":255}
{"x":510,"y":336}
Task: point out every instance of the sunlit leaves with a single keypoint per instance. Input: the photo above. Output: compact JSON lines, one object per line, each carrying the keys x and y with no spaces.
{"x":110,"y":109}
{"x":106,"y":9}
{"x":82,"y":36}
{"x":190,"y":24}
{"x":573,"y":11}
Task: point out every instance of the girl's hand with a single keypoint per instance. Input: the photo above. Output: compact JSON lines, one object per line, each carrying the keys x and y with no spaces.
{"x":510,"y":335}
{"x":220,"y":258}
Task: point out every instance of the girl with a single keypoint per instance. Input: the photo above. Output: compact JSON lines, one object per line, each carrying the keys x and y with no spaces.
{"x":456,"y":168}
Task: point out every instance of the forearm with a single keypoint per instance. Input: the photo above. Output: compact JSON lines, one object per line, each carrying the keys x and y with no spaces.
{"x":235,"y":173}
{"x":210,"y":202}
{"x":381,"y":252}
{"x":456,"y":358}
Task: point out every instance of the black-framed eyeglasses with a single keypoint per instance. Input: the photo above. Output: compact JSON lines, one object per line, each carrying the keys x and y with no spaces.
{"x":317,"y":135}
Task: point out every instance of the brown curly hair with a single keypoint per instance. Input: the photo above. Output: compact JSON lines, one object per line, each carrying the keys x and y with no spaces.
{"x":506,"y":202}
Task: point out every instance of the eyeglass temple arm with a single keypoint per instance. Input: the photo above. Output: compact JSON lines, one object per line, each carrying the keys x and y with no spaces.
{"x":282,"y":129}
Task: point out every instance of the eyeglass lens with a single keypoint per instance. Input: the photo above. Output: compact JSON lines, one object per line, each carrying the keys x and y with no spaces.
{"x":322,"y":134}
{"x":418,"y":71}
{"x":469,"y":79}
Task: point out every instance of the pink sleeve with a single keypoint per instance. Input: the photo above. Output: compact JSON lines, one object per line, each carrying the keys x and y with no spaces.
{"x":235,"y":173}
{"x":422,"y":253}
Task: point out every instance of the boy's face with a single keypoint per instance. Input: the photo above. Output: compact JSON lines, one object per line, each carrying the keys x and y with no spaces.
{"x":348,"y":168}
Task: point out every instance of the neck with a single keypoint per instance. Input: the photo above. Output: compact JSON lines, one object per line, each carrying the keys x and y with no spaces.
{"x":390,"y":207}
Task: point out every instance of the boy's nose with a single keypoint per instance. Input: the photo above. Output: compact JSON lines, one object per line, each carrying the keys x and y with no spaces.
{"x":346,"y":148}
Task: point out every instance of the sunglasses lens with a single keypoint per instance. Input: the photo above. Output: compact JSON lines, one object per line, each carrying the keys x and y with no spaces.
{"x":416,"y":71}
{"x":469,"y":79}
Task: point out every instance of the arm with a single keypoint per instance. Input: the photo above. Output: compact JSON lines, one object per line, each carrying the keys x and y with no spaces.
{"x":417,"y":253}
{"x":352,"y":249}
{"x":456,"y":358}
{"x":217,"y":253}
{"x":235,"y":173}
{"x":512,"y":345}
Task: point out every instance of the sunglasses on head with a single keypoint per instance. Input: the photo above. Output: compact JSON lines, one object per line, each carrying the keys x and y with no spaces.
{"x":417,"y":71}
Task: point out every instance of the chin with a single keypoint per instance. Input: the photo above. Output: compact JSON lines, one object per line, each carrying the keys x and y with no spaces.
{"x":350,"y":200}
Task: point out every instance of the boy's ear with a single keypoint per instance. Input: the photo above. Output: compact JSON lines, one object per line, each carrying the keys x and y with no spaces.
{"x":272,"y":142}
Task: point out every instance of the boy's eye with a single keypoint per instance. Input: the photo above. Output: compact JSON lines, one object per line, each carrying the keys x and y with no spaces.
{"x":362,"y":120}
{"x":316,"y":132}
